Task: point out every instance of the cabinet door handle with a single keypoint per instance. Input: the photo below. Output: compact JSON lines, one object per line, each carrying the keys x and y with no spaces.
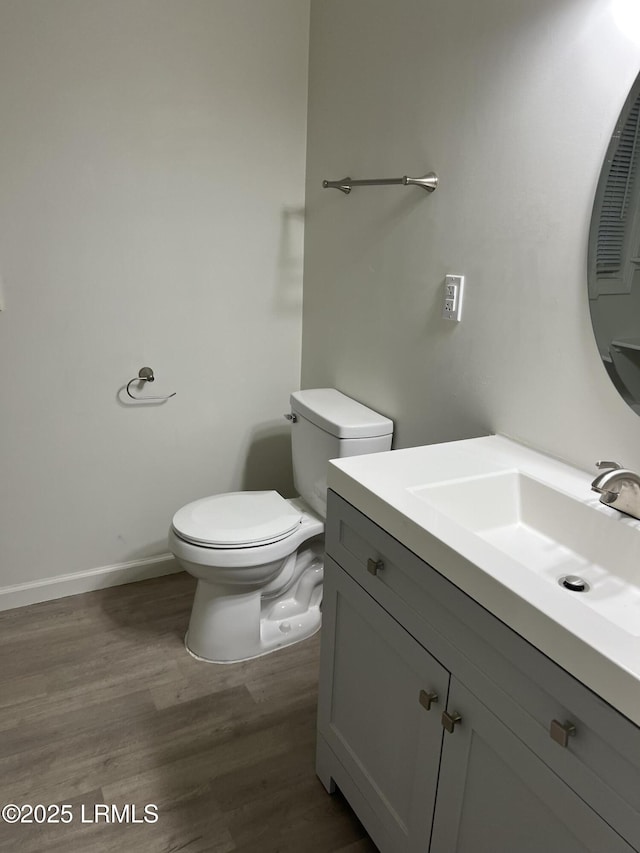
{"x":427,"y":699}
{"x":561,"y":732}
{"x":374,"y":566}
{"x":449,"y":720}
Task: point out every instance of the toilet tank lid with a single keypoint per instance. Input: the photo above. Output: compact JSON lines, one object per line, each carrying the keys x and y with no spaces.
{"x":338,"y":414}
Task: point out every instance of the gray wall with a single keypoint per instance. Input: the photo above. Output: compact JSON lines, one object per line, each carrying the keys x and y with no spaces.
{"x":512,"y":104}
{"x":152,"y":160}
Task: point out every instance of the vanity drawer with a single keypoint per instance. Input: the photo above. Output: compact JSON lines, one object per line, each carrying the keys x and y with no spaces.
{"x":531,"y":694}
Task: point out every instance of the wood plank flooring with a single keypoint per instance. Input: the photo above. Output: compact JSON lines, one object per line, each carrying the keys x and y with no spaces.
{"x":101,"y":704}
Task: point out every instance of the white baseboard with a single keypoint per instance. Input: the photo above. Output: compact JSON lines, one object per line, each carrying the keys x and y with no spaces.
{"x":22,"y":594}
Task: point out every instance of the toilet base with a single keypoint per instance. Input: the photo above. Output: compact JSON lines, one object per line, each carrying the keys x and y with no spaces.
{"x":301,"y":632}
{"x":229,"y":628}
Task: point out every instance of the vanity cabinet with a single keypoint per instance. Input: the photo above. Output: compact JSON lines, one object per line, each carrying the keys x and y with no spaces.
{"x":445,"y":730}
{"x":375,"y":717}
{"x":495,"y":794}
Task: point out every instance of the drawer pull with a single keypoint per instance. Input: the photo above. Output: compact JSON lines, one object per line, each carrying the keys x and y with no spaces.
{"x":561,"y":732}
{"x":374,"y":566}
{"x":449,"y":720}
{"x":428,"y":699}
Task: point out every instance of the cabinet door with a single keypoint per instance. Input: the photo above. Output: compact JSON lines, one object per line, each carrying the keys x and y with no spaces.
{"x":383,"y":743}
{"x":494,"y":794}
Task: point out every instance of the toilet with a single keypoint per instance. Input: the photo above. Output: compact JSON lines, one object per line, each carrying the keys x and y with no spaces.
{"x":259,"y":557}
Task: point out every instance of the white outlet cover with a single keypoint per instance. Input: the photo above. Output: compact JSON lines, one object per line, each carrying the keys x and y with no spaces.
{"x":453,"y":292}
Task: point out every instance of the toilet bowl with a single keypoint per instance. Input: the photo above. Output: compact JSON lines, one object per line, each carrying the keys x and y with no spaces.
{"x":258,"y":557}
{"x":259,"y":573}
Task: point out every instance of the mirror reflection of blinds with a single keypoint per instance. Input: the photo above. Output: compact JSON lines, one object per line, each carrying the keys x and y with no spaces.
{"x":615,"y":211}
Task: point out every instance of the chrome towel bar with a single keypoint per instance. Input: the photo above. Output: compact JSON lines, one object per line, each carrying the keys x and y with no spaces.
{"x":428,"y":182}
{"x":145,"y":374}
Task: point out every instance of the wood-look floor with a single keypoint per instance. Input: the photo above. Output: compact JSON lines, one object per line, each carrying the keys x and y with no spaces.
{"x":100,"y":703}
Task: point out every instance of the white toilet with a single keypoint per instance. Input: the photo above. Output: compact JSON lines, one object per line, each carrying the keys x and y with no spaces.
{"x":259,"y":558}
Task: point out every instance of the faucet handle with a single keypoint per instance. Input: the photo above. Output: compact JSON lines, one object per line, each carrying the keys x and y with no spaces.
{"x":606,"y":468}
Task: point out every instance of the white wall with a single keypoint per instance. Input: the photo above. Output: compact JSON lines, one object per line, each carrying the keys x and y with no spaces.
{"x":151,"y":192}
{"x":512,"y":103}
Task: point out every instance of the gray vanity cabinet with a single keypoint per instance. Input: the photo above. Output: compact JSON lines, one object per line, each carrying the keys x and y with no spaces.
{"x":494,"y":794}
{"x":434,"y":718}
{"x":375,"y":718}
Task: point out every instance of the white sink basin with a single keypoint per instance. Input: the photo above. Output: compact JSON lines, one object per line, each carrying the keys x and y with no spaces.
{"x":550,"y":533}
{"x":505,"y":523}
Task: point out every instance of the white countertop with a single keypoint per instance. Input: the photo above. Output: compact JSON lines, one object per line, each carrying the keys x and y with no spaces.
{"x":597,"y":650}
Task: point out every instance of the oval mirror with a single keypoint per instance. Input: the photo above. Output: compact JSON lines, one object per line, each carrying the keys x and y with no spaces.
{"x":614,"y":255}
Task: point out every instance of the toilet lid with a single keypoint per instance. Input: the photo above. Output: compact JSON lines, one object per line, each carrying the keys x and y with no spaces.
{"x":237,"y":519}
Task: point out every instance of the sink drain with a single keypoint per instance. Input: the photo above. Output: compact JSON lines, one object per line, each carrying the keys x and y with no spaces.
{"x":574,"y":583}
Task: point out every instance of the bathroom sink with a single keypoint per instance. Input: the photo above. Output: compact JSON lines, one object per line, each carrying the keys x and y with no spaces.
{"x":507,"y":524}
{"x":551,"y":534}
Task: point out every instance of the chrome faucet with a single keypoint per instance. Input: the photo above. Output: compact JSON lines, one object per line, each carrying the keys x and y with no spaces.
{"x":618,"y":487}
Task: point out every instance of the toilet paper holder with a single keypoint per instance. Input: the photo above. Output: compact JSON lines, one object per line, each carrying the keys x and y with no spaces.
{"x":145,"y":374}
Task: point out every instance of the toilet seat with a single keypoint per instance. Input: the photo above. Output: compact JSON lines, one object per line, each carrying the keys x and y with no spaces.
{"x":237,"y":520}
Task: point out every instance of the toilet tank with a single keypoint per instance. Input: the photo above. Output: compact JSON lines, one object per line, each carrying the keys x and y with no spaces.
{"x":328,"y":425}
